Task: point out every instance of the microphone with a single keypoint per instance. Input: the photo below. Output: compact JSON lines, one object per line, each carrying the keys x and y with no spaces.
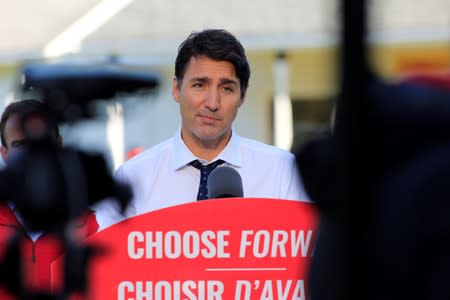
{"x":224,"y":182}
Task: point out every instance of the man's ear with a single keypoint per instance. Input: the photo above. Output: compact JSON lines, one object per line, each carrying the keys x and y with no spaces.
{"x":4,"y":152}
{"x":175,"y":90}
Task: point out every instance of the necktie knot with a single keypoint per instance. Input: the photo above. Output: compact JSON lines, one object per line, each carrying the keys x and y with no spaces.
{"x":205,"y":170}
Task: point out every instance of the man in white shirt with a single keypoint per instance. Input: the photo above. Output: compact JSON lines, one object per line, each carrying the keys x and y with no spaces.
{"x":210,"y":84}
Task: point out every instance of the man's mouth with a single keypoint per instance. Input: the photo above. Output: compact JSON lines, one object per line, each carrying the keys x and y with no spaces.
{"x":208,"y":119}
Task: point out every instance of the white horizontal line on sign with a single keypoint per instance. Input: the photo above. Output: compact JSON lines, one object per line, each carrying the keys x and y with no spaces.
{"x":245,"y":269}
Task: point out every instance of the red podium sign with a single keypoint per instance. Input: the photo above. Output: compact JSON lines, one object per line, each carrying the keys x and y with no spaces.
{"x":209,"y":250}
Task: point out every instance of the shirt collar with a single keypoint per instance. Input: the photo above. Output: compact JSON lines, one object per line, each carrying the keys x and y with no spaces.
{"x":12,"y":205}
{"x":183,"y":156}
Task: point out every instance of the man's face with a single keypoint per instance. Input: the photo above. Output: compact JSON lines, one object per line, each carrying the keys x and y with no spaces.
{"x":209,"y":97}
{"x":14,"y":137}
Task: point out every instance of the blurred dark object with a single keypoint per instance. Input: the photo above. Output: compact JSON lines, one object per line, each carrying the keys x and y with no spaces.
{"x":50,"y":185}
{"x":403,"y":249}
{"x":70,"y":88}
{"x":381,"y":182}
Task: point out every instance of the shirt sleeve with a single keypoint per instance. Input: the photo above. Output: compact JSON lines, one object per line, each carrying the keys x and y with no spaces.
{"x":295,"y":189}
{"x":108,"y":211}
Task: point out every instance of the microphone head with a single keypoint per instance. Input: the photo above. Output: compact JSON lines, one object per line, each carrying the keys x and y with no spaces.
{"x":224,"y":182}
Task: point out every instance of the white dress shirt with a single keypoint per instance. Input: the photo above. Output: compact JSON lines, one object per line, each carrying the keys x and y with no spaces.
{"x":161,"y":176}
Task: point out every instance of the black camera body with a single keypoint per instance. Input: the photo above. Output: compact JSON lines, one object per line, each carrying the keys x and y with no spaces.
{"x":51,"y":185}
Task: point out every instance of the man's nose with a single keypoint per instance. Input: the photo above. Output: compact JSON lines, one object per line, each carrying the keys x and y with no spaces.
{"x":212,"y":101}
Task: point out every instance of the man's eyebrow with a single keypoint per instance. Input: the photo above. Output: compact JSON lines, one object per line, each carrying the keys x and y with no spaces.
{"x":228,"y":81}
{"x":206,"y":79}
{"x":199,"y":79}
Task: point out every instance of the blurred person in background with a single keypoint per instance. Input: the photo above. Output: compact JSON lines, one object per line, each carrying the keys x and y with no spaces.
{"x":40,"y":249}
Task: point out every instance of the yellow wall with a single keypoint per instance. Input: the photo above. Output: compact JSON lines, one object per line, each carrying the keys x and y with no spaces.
{"x":314,"y":76}
{"x":313,"y":71}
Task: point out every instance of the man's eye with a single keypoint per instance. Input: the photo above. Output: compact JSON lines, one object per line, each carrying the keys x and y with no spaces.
{"x":19,"y":145}
{"x":228,"y":89}
{"x":198,"y":85}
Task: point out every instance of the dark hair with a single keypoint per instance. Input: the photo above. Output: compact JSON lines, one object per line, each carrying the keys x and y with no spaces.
{"x":25,"y":107}
{"x":217,"y":44}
